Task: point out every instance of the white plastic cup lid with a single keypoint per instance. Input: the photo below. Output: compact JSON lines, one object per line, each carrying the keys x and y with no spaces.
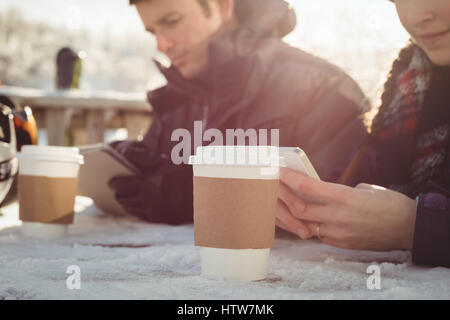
{"x":266,"y":156}
{"x":51,"y":153}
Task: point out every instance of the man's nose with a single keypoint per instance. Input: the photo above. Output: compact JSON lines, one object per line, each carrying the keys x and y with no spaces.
{"x":164,"y":43}
{"x":420,"y":13}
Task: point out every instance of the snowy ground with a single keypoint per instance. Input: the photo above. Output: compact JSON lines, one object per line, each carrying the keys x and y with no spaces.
{"x":122,"y":258}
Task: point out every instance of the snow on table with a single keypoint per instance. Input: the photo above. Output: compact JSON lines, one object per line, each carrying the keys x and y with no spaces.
{"x":124,"y":258}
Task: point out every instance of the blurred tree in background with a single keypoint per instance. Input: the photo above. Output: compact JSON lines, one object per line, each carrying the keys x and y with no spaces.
{"x":28,"y":50}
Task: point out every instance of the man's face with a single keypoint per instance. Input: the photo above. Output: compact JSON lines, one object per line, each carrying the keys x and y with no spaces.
{"x":182,"y":30}
{"x":428,"y":22}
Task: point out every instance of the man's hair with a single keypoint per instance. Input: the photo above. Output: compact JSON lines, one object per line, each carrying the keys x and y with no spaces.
{"x":203,"y":3}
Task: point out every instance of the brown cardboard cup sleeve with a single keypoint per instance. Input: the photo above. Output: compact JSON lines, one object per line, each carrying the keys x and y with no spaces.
{"x":234,"y":213}
{"x":47,"y":199}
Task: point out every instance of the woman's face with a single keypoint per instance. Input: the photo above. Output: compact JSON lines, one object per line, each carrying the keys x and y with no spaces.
{"x":428,"y":22}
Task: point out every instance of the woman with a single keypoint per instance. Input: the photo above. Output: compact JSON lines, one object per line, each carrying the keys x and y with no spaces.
{"x":408,"y":151}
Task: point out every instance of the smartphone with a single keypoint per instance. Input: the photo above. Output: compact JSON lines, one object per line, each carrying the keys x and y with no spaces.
{"x":296,"y":159}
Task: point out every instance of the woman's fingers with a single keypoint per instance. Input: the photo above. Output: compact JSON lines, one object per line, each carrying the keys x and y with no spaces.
{"x":322,"y":191}
{"x":284,"y":226}
{"x":330,"y":213}
{"x":290,"y":199}
{"x":329,"y":220}
{"x":280,"y":224}
{"x":318,"y":230}
{"x":290,"y":223}
{"x":328,"y":233}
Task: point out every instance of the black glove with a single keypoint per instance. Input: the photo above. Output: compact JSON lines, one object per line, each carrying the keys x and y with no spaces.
{"x":134,"y":194}
{"x":162,"y":196}
{"x":138,"y":154}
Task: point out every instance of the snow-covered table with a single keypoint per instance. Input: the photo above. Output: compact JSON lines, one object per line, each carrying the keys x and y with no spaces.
{"x":123,"y":258}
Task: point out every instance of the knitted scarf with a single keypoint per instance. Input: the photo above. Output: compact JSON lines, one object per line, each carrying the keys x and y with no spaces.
{"x":411,"y":132}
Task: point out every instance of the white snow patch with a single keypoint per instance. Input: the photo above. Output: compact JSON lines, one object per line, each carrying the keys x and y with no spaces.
{"x":124,"y":258}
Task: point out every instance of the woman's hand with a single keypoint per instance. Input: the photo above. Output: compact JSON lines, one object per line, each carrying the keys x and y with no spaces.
{"x":366,"y":217}
{"x":289,"y":207}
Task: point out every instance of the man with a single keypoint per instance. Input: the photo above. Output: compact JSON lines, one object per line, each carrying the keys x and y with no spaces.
{"x":231,"y":70}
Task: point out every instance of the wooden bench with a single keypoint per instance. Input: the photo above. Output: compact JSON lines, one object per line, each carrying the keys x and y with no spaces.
{"x":76,"y":117}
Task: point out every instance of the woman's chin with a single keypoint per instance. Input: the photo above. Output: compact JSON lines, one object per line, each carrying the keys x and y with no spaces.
{"x":440,"y":58}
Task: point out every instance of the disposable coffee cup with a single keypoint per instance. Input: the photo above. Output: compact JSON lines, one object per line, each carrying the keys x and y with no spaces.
{"x":235,"y":196}
{"x":47,"y":187}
